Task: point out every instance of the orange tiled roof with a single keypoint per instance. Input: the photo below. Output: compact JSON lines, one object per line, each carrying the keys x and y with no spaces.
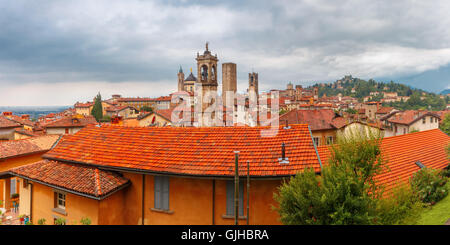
{"x":191,"y":151}
{"x":8,"y":123}
{"x":68,"y":121}
{"x":22,"y":121}
{"x":14,"y":148}
{"x":118,"y":108}
{"x":409,"y":117}
{"x":81,"y":179}
{"x":83,"y":105}
{"x":26,"y":132}
{"x":402,"y":152}
{"x":317,"y":119}
{"x":384,"y":110}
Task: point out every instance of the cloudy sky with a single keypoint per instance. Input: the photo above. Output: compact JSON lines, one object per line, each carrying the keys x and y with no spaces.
{"x":60,"y":52}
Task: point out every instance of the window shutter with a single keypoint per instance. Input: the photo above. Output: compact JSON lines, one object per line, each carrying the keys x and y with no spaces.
{"x":157,"y":183}
{"x":241,"y":198}
{"x":230,"y":197}
{"x":165,"y":193}
{"x":55,"y":199}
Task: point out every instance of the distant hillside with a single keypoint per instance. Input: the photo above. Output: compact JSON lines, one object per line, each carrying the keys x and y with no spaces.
{"x":359,"y":88}
{"x":363,"y":88}
{"x":447,"y":91}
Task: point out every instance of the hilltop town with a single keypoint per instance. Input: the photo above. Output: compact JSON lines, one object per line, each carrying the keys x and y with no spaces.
{"x":87,"y":160}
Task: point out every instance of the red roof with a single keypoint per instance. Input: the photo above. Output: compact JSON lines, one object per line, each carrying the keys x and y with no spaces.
{"x":8,"y":123}
{"x":118,"y":108}
{"x":402,"y":152}
{"x":83,"y":105}
{"x":77,"y":178}
{"x":14,"y":148}
{"x":191,"y":151}
{"x":67,"y":122}
{"x":21,"y":120}
{"x":384,"y":110}
{"x":409,"y":117}
{"x":321,"y":119}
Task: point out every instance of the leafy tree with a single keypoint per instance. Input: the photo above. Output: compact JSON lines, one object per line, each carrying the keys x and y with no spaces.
{"x":445,"y":124}
{"x":97,"y":110}
{"x":345,"y":193}
{"x":146,"y":108}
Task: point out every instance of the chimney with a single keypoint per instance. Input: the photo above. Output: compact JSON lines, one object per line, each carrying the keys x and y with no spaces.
{"x":283,"y":159}
{"x":7,"y":114}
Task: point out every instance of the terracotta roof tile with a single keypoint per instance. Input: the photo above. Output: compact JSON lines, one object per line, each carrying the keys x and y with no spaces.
{"x":317,"y":119}
{"x":402,"y":152}
{"x":204,"y":151}
{"x":409,"y":117}
{"x":71,"y":122}
{"x":27,"y":146}
{"x":82,"y":179}
{"x":8,"y":123}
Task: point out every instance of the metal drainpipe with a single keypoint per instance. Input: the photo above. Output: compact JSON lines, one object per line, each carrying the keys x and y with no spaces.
{"x":31,"y":202}
{"x":248,"y":192}
{"x":143,"y":198}
{"x":213,"y":200}
{"x":236,"y":187}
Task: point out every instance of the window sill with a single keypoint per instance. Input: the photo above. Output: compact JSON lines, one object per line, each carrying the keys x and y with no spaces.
{"x":161,"y":211}
{"x":59,"y":210}
{"x":225,"y":216}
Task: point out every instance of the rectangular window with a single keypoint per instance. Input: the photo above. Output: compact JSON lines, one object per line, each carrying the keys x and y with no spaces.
{"x":330,"y":140}
{"x":13,"y":186}
{"x":161,"y":192}
{"x":230,"y":198}
{"x":316,"y":141}
{"x":60,"y":200}
{"x":431,"y":120}
{"x":423,"y":120}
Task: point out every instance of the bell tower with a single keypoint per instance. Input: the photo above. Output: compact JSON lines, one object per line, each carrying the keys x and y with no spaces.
{"x":180,"y":79}
{"x":207,"y":74}
{"x":253,"y":82}
{"x":207,"y":68}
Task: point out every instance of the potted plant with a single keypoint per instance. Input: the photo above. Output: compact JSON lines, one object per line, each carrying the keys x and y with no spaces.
{"x":15,"y":197}
{"x":22,"y":219}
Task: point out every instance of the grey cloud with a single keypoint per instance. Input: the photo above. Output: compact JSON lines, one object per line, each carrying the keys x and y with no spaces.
{"x":146,"y":41}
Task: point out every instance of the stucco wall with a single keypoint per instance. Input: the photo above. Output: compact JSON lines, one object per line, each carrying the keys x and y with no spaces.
{"x":77,"y":207}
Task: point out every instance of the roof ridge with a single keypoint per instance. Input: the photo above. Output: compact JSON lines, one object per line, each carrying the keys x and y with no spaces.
{"x":97,"y":182}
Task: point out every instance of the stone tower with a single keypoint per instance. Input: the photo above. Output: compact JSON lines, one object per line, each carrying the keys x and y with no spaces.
{"x":229,"y":80}
{"x":253,"y":82}
{"x":207,"y":74}
{"x":316,"y":93}
{"x":290,"y":89}
{"x":180,"y":79}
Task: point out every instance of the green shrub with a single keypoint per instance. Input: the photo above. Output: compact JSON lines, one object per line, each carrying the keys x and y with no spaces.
{"x":429,"y":185}
{"x":41,"y":221}
{"x":60,"y":221}
{"x":85,"y":221}
{"x":15,"y":195}
{"x":401,"y":208}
